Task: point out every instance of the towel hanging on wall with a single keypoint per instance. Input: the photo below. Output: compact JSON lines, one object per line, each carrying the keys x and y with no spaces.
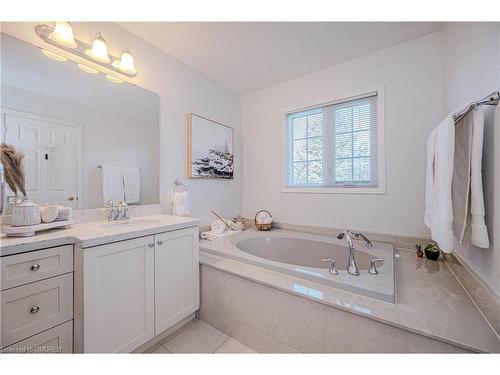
{"x":112,"y":184}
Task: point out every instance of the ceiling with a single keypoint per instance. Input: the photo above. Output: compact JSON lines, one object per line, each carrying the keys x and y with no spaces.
{"x":249,"y":56}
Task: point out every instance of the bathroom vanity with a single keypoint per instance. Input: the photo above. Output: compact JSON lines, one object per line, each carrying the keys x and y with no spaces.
{"x":98,"y":287}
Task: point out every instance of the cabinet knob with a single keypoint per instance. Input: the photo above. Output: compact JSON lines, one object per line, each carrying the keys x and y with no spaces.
{"x":160,"y":242}
{"x":151,"y":244}
{"x":35,"y":309}
{"x":71,"y":198}
{"x":35,"y":267}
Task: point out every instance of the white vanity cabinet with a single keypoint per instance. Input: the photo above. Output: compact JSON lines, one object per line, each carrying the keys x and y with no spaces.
{"x":118,"y":296}
{"x":36,"y":301}
{"x":135,"y":289}
{"x":177,"y":292}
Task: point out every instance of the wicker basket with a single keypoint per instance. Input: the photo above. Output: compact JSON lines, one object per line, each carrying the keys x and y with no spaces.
{"x":266,"y":226}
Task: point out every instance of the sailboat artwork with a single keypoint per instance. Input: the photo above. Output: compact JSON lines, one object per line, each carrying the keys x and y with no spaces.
{"x":210,"y":149}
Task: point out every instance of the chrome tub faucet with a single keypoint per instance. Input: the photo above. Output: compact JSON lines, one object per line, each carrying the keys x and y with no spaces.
{"x":352,"y":268}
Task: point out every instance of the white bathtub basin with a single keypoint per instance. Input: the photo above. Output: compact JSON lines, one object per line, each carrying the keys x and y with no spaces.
{"x":302,"y":252}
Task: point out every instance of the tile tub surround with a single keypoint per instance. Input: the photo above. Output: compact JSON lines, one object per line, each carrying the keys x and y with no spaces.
{"x":487,"y":301}
{"x":380,"y":286}
{"x":96,"y":233}
{"x":274,"y":312}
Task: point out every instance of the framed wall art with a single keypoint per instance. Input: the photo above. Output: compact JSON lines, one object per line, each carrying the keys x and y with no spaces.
{"x":210,"y":148}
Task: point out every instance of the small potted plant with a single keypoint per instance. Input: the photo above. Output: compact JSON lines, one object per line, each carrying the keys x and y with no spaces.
{"x":432,"y":251}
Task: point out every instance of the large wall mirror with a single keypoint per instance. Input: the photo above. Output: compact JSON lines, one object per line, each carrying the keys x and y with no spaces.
{"x":80,"y":133}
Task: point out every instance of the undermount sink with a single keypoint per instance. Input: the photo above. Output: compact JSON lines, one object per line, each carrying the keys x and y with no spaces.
{"x":137,"y":221}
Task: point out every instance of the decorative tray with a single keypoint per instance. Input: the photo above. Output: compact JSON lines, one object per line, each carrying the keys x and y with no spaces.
{"x":30,"y":230}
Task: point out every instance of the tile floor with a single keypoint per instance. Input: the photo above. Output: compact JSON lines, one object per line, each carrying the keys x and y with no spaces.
{"x":199,"y":337}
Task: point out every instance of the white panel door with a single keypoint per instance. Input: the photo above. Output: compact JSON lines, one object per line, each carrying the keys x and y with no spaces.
{"x":177,"y":293}
{"x":118,"y":297}
{"x":50,"y":150}
{"x":62,"y":165}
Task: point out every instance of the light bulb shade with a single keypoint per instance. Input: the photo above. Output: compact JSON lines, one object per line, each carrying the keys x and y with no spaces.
{"x":87,"y":69}
{"x":53,"y":56}
{"x":99,"y":51}
{"x":113,"y":79}
{"x":126,"y":63}
{"x":63,"y":34}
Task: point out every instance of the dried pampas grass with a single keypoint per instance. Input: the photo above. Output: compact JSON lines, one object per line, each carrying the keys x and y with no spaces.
{"x":12,"y":162}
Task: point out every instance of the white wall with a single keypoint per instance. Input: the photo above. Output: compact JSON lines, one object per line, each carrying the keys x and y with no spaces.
{"x":471,"y":70}
{"x":411,"y":76}
{"x":181,"y":90}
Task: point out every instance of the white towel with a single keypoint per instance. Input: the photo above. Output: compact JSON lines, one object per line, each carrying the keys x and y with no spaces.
{"x":460,"y":187}
{"x":212,"y":236}
{"x":132,"y":184}
{"x":49,"y":213}
{"x":479,"y":232}
{"x":112,"y":184}
{"x":181,"y":206}
{"x":65,"y":213}
{"x":218,"y":226}
{"x":438,"y":199}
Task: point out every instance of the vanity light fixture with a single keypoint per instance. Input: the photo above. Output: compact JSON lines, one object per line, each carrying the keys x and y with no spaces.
{"x":63,"y":34}
{"x":87,"y":69}
{"x":89,"y":58}
{"x":53,"y":56}
{"x":99,"y":50}
{"x":126,"y":62}
{"x":113,"y":79}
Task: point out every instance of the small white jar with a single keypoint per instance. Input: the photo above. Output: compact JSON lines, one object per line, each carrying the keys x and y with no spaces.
{"x":25,"y":213}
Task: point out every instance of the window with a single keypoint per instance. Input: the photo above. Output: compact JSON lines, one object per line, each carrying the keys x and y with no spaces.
{"x":334,"y":145}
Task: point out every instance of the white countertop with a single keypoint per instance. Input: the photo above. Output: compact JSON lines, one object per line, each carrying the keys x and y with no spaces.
{"x":430,"y":299}
{"x":96,"y":233}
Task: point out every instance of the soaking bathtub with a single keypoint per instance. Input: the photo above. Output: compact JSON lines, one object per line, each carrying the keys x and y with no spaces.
{"x":301,"y":255}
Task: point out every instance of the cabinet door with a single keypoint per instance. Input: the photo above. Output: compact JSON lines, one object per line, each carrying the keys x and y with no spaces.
{"x":118,"y":297}
{"x":176,"y":277}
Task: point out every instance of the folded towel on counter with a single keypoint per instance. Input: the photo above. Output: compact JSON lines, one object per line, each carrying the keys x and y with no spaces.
{"x":65,"y":213}
{"x":112,"y":184}
{"x":218,"y":227}
{"x":49,"y":213}
{"x":132,"y":184}
{"x":438,"y":197}
{"x":180,"y":201}
{"x":212,"y":236}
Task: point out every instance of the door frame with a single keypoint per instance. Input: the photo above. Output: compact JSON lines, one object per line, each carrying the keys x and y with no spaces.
{"x":4,"y":111}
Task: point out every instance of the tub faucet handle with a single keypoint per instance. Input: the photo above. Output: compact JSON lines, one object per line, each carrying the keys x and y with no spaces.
{"x":373,"y":266}
{"x":333,"y":267}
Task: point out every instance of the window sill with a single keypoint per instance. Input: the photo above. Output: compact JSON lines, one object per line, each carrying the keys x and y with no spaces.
{"x":380,"y":190}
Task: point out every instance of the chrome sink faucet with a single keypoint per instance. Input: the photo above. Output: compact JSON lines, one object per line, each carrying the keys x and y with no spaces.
{"x":117,"y":212}
{"x":352,"y":268}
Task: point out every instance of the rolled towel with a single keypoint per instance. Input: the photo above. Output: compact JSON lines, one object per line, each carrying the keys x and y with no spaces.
{"x":49,"y":213}
{"x":218,"y":227}
{"x":212,"y":236}
{"x":64,"y":213}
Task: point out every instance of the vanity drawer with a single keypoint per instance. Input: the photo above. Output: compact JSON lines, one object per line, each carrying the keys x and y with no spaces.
{"x":36,"y":307}
{"x":26,"y":268}
{"x":55,"y":340}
